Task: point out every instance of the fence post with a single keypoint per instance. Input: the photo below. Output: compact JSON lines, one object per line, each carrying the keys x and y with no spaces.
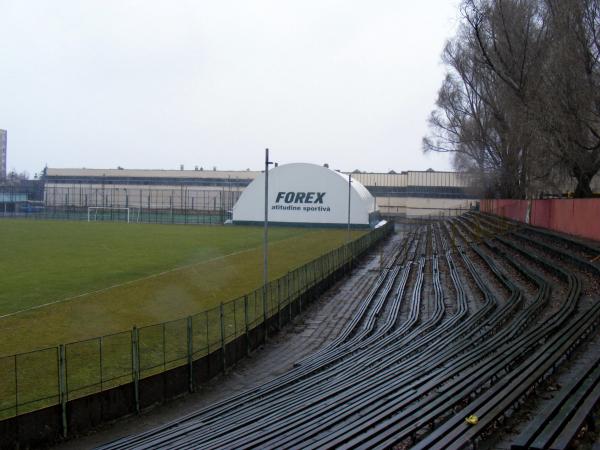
{"x":62,"y":386}
{"x":278,"y":306}
{"x":101,"y":362}
{"x":207,"y":334}
{"x":305,"y":278}
{"x":222,"y":311}
{"x":318,"y":271}
{"x":265,"y":326}
{"x":299,"y":289}
{"x":16,"y":387}
{"x":135,"y":361}
{"x":190,"y":350}
{"x":235,"y":328}
{"x":164,"y":346}
{"x":246,"y":324}
{"x":289,"y":295}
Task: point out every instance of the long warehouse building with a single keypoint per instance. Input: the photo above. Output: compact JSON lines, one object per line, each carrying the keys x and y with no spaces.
{"x":403,"y":194}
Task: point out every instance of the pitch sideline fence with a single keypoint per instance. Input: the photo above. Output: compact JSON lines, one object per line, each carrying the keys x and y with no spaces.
{"x":192,"y":348}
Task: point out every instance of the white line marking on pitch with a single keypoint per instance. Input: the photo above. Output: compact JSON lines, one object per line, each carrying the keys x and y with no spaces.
{"x":155,"y":275}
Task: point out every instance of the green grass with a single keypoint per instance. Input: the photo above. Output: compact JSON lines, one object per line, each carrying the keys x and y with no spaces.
{"x":104,"y":278}
{"x":73,"y":282}
{"x":43,"y":262}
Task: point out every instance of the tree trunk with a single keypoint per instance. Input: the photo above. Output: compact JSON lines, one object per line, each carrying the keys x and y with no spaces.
{"x":583,"y":188}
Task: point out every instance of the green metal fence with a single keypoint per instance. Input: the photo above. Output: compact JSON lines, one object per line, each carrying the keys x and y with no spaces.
{"x":57,"y":375}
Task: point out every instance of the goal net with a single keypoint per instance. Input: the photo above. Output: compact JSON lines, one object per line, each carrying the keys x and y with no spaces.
{"x":96,"y":213}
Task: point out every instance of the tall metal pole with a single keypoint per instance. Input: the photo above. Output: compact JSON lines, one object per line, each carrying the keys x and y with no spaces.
{"x":266,"y":243}
{"x":349,"y":191}
{"x":266,"y":234}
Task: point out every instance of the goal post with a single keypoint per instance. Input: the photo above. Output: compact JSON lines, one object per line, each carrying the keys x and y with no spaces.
{"x":133,"y":214}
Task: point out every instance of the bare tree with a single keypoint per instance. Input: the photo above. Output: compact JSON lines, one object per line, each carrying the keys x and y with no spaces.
{"x":520,"y":104}
{"x":481,"y":113}
{"x":569,"y":113}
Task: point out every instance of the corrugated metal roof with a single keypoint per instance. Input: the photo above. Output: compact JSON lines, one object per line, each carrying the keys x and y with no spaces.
{"x":143,"y":173}
{"x":406,"y":178}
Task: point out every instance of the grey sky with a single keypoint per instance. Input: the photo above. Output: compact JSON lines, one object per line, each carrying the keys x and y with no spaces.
{"x":149,"y":84}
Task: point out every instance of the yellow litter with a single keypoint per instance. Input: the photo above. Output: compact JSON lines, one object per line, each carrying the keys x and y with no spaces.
{"x":472,"y":420}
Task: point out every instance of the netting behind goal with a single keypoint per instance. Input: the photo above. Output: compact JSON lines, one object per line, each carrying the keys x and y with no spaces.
{"x":101,"y":213}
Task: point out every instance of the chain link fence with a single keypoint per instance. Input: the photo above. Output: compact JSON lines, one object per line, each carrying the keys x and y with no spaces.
{"x":151,"y":204}
{"x":58,"y":375}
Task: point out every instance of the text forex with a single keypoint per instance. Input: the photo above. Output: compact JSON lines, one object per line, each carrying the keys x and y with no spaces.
{"x":300,"y":197}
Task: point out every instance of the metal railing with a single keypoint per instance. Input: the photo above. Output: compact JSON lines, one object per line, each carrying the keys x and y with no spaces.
{"x":51,"y":376}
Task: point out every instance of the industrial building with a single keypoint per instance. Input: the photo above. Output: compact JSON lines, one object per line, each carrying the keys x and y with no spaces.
{"x":177,"y":192}
{"x":189,"y":192}
{"x":419,"y":193}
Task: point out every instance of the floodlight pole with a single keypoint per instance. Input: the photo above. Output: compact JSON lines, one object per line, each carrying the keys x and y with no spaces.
{"x":266,"y":243}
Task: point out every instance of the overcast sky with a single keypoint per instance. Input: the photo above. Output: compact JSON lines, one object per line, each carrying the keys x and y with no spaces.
{"x":155,"y":84}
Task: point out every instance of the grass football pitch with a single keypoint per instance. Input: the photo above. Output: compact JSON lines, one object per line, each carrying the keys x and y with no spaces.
{"x":69,"y":281}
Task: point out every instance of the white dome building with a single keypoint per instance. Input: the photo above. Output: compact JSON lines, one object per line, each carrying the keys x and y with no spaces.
{"x":306,"y":194}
